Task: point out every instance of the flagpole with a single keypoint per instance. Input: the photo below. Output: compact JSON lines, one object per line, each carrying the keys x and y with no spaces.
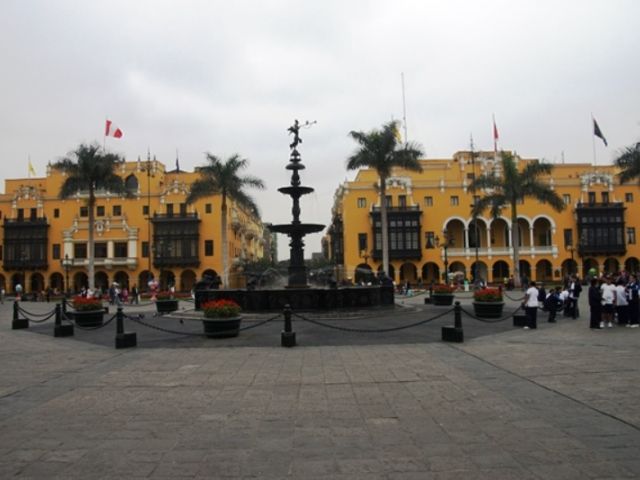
{"x":104,"y":135}
{"x":404,"y":110}
{"x":593,"y":141}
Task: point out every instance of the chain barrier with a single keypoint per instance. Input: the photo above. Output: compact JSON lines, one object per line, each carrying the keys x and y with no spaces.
{"x":513,"y":299}
{"x":375,"y":330}
{"x":46,"y":314}
{"x":42,"y":320}
{"x":496,"y":320}
{"x":138,"y":319}
{"x":97,"y":327}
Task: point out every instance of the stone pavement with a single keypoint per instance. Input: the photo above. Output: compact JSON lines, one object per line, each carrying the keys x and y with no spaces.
{"x":554,"y":403}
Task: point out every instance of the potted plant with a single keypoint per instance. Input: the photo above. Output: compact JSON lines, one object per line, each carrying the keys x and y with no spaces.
{"x":221,"y":318}
{"x":488,"y":302}
{"x":166,"y":302}
{"x":442,"y":294}
{"x":88,"y":311}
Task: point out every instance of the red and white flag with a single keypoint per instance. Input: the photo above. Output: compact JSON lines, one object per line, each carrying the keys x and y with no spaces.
{"x":110,"y":130}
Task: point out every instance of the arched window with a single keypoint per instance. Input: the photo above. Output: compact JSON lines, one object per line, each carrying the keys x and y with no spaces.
{"x":131,"y":183}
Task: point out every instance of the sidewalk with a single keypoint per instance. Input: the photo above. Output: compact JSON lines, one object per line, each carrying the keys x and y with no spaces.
{"x":557,"y":402}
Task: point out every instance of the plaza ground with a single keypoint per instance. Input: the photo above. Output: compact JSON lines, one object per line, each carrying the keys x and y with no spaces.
{"x":561,"y":401}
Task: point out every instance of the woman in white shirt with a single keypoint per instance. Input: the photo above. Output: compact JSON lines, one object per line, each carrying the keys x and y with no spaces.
{"x":530,"y":304}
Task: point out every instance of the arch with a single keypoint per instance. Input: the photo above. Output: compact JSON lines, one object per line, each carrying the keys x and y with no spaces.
{"x":480,"y":270}
{"x":544,"y":271}
{"x":569,"y":267}
{"x":392,"y":272}
{"x":590,"y":267}
{"x":611,"y":265}
{"x":542,"y":229}
{"x":36,"y":283}
{"x":525,"y":269}
{"x":17,"y":278}
{"x":144,"y":278}
{"x":632,"y":265}
{"x":363,"y":274}
{"x":56,"y":282}
{"x":430,"y":273}
{"x":453,"y":218}
{"x":457,"y":269}
{"x":122,"y":279}
{"x":167,"y":279}
{"x":500,"y":271}
{"x":80,"y":279}
{"x":455,"y":227}
{"x":544,"y":216}
{"x":187,"y":280}
{"x":408,"y":273}
{"x":481,"y":239}
{"x":499,"y":232}
{"x":131,"y":183}
{"x":102,"y":281}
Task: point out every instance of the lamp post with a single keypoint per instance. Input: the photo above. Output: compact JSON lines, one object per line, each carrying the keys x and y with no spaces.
{"x":148,"y":169}
{"x":571,"y":249}
{"x":447,"y":242}
{"x":66,"y":264}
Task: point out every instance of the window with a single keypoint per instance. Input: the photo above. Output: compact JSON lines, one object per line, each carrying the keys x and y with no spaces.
{"x":429,"y":240}
{"x":33,"y":213}
{"x":628,"y":197}
{"x":100,"y":250}
{"x":183,"y":209}
{"x":84,"y":211}
{"x":470,"y":176}
{"x":80,"y":250}
{"x":605,"y":197}
{"x":207,"y":208}
{"x":428,"y":201}
{"x":55,"y":251}
{"x":169,"y":209}
{"x":455,"y":201}
{"x":145,"y":210}
{"x":362,"y":243}
{"x":388,"y":201}
{"x":117,"y":210}
{"x":566,"y":198}
{"x":568,"y":237}
{"x":631,"y":235}
{"x":208,"y":248}
{"x":362,"y":202}
{"x":402,"y":201}
{"x":592,"y":197}
{"x":56,"y":213}
{"x":20,"y":214}
{"x":145,"y":249}
{"x":120,"y":250}
{"x":100,"y":211}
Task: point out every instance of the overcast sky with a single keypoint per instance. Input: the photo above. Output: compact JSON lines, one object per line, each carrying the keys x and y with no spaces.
{"x":230,"y":77}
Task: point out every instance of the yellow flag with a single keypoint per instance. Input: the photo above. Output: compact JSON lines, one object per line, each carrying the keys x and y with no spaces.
{"x":32,"y":171}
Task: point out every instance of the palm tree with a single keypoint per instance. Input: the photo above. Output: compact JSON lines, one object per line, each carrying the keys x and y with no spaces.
{"x":88,"y":170}
{"x":222,"y":178}
{"x":629,"y":163}
{"x":513,"y":186}
{"x":381,"y":150}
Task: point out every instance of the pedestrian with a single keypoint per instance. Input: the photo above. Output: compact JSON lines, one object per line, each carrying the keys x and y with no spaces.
{"x":542,"y":295}
{"x":530,"y":304}
{"x":574,"y":293}
{"x":3,"y":292}
{"x":633,"y":297}
{"x":134,"y":294}
{"x":595,"y":305}
{"x":608,"y":303}
{"x":622,"y":305}
{"x":553,"y":303}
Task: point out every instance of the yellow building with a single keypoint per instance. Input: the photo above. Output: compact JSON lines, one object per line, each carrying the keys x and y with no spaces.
{"x":596,"y":230}
{"x":44,"y":239}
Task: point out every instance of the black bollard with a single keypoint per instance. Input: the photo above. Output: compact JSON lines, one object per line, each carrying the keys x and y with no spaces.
{"x":455,"y":333}
{"x":61,"y":330}
{"x":18,"y":322}
{"x":124,"y":339}
{"x":288,"y":336}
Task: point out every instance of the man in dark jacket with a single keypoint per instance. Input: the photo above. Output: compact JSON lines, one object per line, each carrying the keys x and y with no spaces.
{"x":574,"y":293}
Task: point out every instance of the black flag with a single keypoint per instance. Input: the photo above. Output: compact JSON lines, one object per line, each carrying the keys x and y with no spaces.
{"x":598,"y":133}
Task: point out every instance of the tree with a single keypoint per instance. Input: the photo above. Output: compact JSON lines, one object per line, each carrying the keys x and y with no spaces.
{"x":89,"y":169}
{"x":218,"y":177}
{"x":381,"y":150}
{"x":629,"y":164}
{"x":515,"y":185}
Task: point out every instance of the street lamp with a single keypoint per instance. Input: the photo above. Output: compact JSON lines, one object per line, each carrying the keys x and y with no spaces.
{"x":447,"y":242}
{"x":149,"y":171}
{"x":571,"y":249}
{"x":66,"y":264}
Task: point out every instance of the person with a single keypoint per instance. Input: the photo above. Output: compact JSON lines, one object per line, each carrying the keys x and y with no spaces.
{"x":622,"y":305}
{"x":608,"y":303}
{"x":18,"y":290}
{"x":134,"y":294}
{"x":595,"y":305}
{"x":633,"y":297}
{"x":2,"y":295}
{"x":525,"y":282}
{"x":542,"y":295}
{"x":530,"y":304}
{"x":574,"y":293}
{"x":553,"y":303}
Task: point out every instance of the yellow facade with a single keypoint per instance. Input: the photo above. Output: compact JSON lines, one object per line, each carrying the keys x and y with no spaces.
{"x":440,"y":199}
{"x":44,"y":238}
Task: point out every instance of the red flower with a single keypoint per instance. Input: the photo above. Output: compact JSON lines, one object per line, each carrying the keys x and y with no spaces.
{"x":222,"y":308}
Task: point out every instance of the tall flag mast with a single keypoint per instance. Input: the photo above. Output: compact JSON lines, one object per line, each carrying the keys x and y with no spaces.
{"x":404,"y":110}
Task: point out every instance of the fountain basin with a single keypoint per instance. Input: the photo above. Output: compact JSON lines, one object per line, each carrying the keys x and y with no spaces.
{"x":299,"y":228}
